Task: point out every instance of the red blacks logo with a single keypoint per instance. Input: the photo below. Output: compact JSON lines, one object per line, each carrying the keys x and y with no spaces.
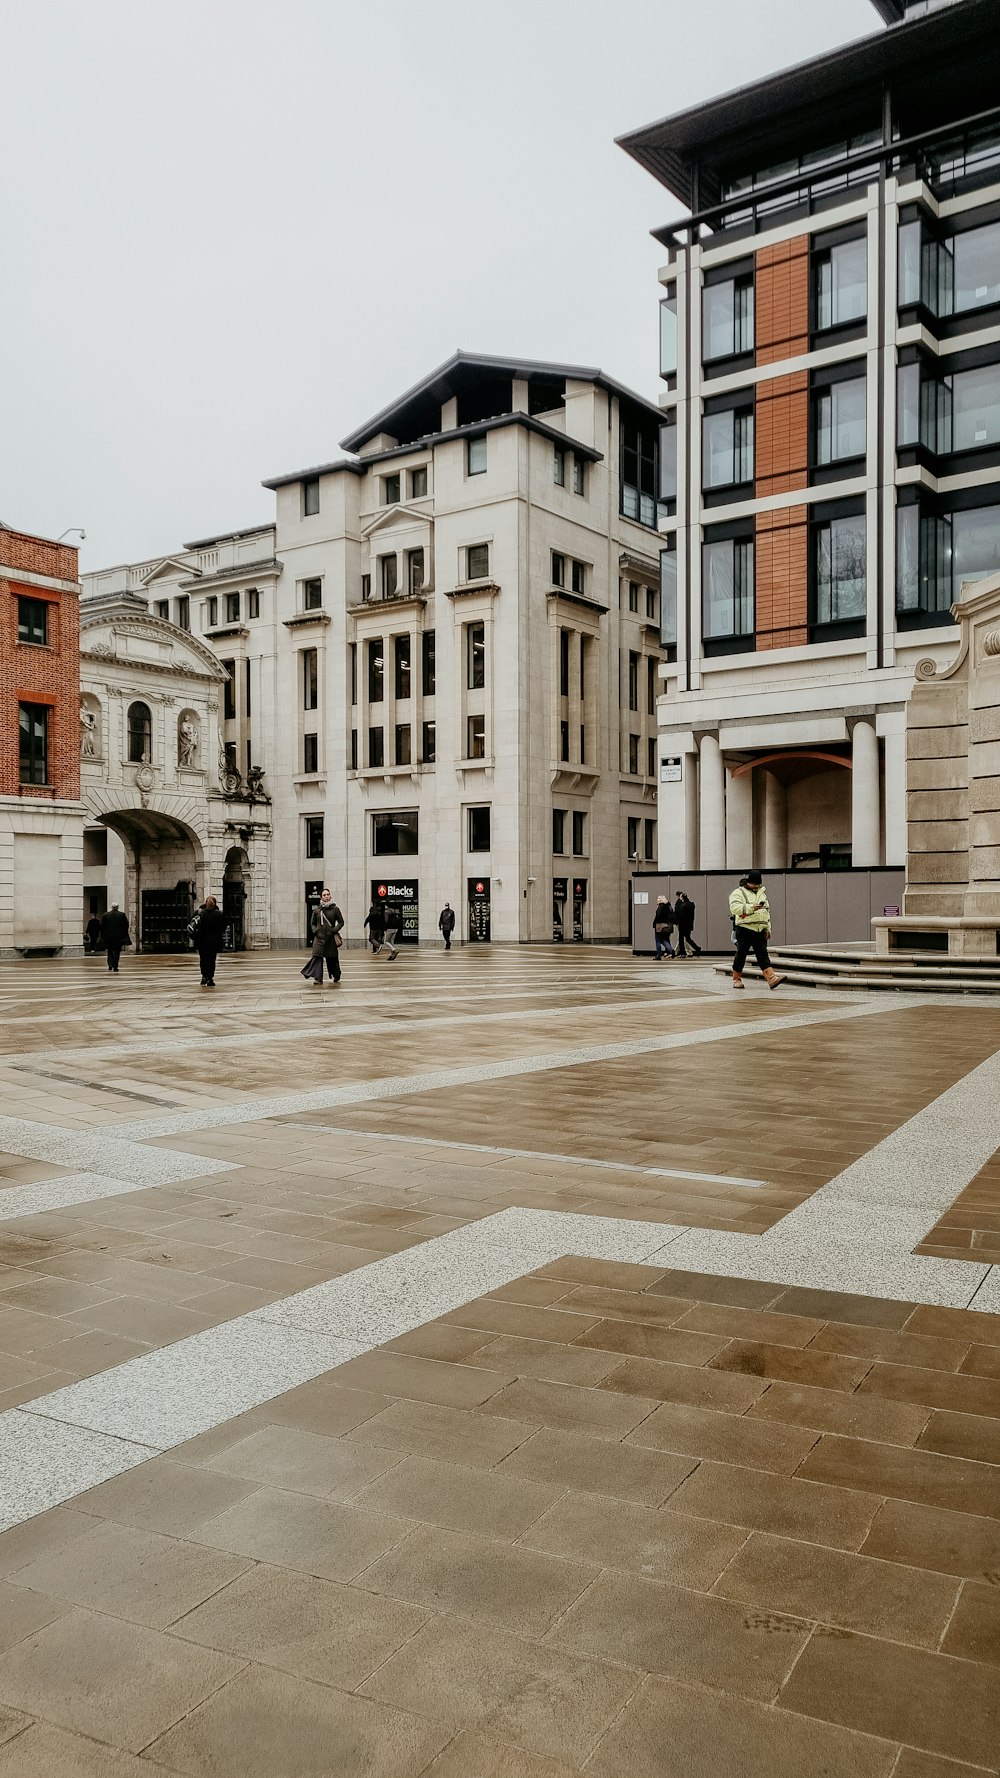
{"x":480,"y":887}
{"x":382,"y":889}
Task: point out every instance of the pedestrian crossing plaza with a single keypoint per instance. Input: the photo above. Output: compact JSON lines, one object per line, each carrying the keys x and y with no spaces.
{"x":503,"y":1361}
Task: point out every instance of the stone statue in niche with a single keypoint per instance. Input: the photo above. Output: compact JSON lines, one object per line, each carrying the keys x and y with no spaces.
{"x":88,"y":733}
{"x":187,"y":741}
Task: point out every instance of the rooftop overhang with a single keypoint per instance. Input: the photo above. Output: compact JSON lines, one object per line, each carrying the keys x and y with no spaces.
{"x":942,"y":64}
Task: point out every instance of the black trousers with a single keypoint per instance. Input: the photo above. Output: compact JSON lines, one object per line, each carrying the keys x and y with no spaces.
{"x":686,"y":938}
{"x":114,"y":952}
{"x":747,"y":941}
{"x":208,"y":960}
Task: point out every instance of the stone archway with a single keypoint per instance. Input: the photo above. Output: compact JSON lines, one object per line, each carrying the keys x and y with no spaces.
{"x":164,"y":868}
{"x":235,"y":893}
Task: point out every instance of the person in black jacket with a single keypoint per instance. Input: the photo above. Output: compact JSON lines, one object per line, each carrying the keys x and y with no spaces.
{"x":208,"y":935}
{"x":326,"y":924}
{"x":684,"y":921}
{"x":375,"y":922}
{"x":663,"y":926}
{"x":115,"y":934}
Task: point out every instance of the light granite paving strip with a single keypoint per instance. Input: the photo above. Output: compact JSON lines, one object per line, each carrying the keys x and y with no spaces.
{"x":63,"y":1193}
{"x":45,"y":1462}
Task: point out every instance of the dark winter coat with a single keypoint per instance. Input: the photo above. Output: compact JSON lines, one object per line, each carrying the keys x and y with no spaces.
{"x":212,"y":923}
{"x":327,"y":921}
{"x":663,"y":917}
{"x":446,"y":920}
{"x":114,"y":928}
{"x":375,"y":920}
{"x":684,"y":916}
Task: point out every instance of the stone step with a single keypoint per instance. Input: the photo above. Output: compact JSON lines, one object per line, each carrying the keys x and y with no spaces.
{"x":908,"y":979}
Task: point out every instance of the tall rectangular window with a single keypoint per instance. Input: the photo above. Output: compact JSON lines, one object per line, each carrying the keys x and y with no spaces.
{"x":578,"y":576}
{"x":253,"y":601}
{"x":229,"y":691}
{"x":310,"y":679}
{"x":638,"y":469}
{"x":402,"y":659}
{"x":727,"y":448}
{"x":312,"y":595}
{"x":476,"y":738}
{"x":559,"y":831}
{"x":728,"y":318}
{"x":391,"y":490}
{"x":668,"y":460}
{"x":559,"y":466}
{"x":564,"y":663}
{"x":649,"y":831}
{"x":418,"y":483}
{"x":558,"y":568}
{"x":376,"y":671}
{"x":352,"y":655}
{"x":388,"y":572}
{"x":633,"y":595}
{"x":839,"y":421}
{"x":668,"y":335}
{"x":727,"y":589}
{"x":403,"y":756}
{"x":668,"y":596}
{"x":633,"y":755}
{"x":161,"y":608}
{"x":414,"y":571}
{"x":632,"y":837}
{"x":477,"y":566}
{"x":310,"y":754}
{"x":183,"y":610}
{"x":232,"y":608}
{"x":33,"y":621}
{"x":476,"y":656}
{"x":479,"y":829}
{"x":211,"y":612}
{"x":564,"y":740}
{"x":354,"y":750}
{"x":840,"y":285}
{"x":651,"y":757}
{"x":579,"y":833}
{"x":633,"y":681}
{"x":475,"y":455}
{"x":579,"y":476}
{"x":314,"y":836}
{"x":839,"y":577}
{"x":247,"y":694}
{"x":376,"y":747}
{"x":428,"y":743}
{"x":428,"y":663}
{"x":34,"y":737}
{"x":310,"y":496}
{"x":583,"y":668}
{"x":651,"y":670}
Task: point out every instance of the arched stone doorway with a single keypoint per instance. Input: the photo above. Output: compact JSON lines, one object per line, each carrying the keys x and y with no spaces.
{"x":164,"y":872}
{"x":235,"y":892}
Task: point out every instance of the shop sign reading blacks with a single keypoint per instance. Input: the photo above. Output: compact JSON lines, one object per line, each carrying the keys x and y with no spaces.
{"x":401,"y":893}
{"x":479,"y":910}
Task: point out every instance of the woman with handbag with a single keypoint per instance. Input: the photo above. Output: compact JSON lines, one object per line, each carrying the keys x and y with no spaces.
{"x":327,"y":923}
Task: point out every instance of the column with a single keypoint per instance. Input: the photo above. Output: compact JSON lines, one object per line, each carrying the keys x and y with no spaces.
{"x":866,"y":836}
{"x":713,"y":804}
{"x":894,"y":745}
{"x":775,"y":823}
{"x":739,"y":821}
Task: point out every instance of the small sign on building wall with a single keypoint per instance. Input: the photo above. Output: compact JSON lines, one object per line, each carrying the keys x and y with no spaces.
{"x":671,"y":771}
{"x":640,"y":898}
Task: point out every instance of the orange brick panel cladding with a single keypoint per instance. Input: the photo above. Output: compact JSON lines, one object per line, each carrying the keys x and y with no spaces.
{"x":47,"y":675}
{"x":781,"y":300}
{"x":781,"y":563}
{"x":781,"y":432}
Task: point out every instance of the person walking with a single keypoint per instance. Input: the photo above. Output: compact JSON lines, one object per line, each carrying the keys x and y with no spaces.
{"x":684,"y":919}
{"x":327,"y":924}
{"x":751,"y":917}
{"x":92,"y":934}
{"x":375,"y":922}
{"x":446,"y":924}
{"x":663,"y":926}
{"x":115,"y":934}
{"x":393,"y":922}
{"x":208,"y":929}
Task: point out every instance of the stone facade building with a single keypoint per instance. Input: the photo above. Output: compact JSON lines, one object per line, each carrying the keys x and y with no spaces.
{"x":444,"y":656}
{"x":41,"y":816}
{"x":168,"y":818}
{"x":830,"y":458}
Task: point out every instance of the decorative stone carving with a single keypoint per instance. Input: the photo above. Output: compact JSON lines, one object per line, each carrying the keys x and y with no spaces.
{"x":991,"y":642}
{"x":88,"y":733}
{"x":188,"y":739}
{"x":925,"y":669}
{"x":145,"y":777}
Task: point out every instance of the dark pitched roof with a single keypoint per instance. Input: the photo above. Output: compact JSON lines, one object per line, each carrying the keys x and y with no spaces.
{"x":942,"y":64}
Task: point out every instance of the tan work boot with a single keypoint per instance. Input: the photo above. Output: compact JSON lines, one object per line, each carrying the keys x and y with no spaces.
{"x":772,"y":978}
{"x":737,"y":980}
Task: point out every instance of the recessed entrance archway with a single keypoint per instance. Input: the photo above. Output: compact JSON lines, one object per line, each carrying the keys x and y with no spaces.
{"x":164,"y":870}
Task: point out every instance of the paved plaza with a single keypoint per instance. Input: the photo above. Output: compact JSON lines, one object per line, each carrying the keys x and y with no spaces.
{"x":504,"y":1363}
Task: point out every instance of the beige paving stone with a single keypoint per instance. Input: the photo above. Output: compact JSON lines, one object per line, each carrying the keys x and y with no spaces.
{"x":134,"y":1574}
{"x":53,"y":1753}
{"x":163,"y":1496}
{"x":318,"y":1537}
{"x":618,"y":1534}
{"x":285,"y":1456}
{"x":517,"y":1588}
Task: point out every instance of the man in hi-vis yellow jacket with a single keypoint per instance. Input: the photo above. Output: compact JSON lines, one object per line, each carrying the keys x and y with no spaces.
{"x":751,"y":917}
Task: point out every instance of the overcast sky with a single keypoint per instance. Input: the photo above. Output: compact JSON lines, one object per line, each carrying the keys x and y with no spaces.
{"x":231,"y":230}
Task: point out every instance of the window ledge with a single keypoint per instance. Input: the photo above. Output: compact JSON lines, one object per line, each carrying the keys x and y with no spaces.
{"x":466,"y":588}
{"x":395,"y":600}
{"x":582,"y":599}
{"x":309,"y":778}
{"x":476,"y":765}
{"x":304,"y":617}
{"x":218,"y":631}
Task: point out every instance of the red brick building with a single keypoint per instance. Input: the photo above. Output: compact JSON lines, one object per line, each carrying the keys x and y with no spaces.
{"x":41,"y":816}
